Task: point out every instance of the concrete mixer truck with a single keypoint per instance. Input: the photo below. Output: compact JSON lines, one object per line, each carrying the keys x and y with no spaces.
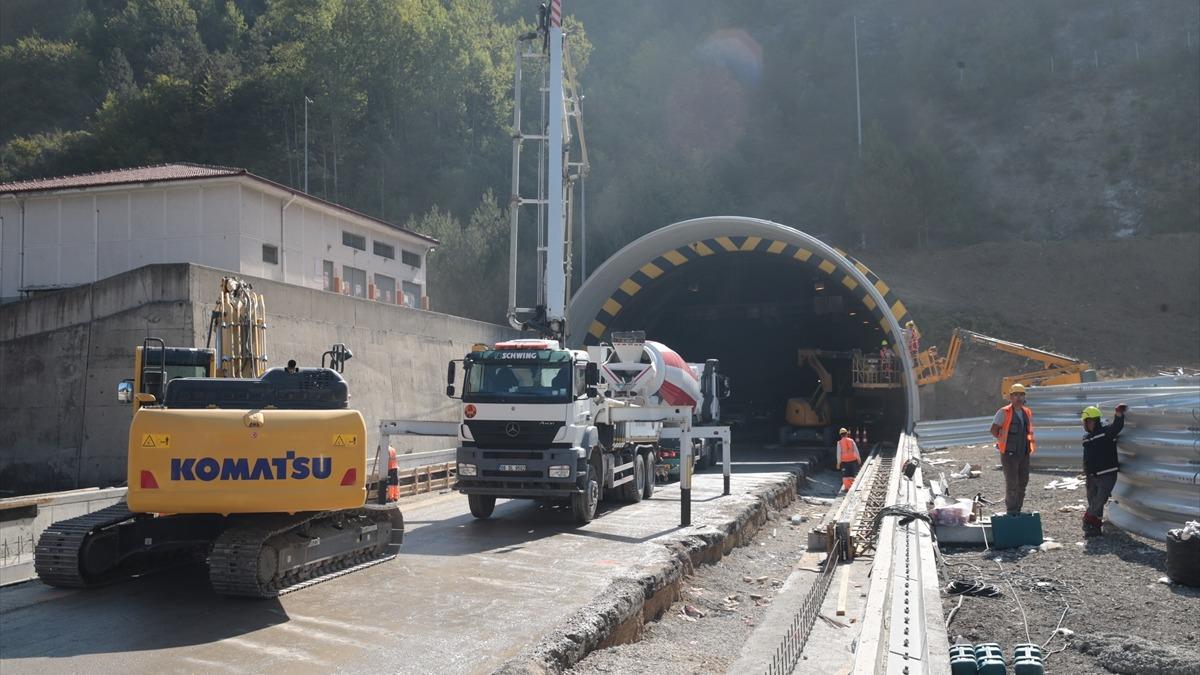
{"x":706,"y":450}
{"x":568,"y":426}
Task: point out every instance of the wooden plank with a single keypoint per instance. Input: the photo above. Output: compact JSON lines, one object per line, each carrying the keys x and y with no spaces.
{"x":843,"y":589}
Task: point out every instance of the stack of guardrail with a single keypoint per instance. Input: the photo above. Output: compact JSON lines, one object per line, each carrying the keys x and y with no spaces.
{"x":1159,"y":483}
{"x":952,"y":433}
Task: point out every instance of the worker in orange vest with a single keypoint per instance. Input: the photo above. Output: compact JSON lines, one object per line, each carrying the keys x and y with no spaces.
{"x":1012,"y":427}
{"x":393,"y":479}
{"x":848,"y":459}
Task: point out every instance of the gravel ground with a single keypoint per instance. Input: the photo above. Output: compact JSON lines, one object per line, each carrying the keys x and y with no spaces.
{"x":722,"y":603}
{"x":1123,"y":619}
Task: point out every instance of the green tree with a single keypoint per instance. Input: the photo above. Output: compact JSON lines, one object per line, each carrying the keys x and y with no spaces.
{"x":44,"y":85}
{"x":468,"y":272}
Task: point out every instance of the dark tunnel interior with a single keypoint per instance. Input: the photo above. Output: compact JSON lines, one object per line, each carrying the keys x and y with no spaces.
{"x":755,"y":312}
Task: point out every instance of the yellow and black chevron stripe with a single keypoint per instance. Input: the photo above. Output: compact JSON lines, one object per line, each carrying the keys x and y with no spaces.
{"x":650,"y":272}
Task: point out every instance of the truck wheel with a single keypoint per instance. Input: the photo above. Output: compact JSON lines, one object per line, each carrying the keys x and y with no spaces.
{"x":648,"y":487}
{"x":481,"y":505}
{"x":583,"y":505}
{"x":633,"y":489}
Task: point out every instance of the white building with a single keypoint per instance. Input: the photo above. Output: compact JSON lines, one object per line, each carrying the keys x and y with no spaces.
{"x":61,"y":232}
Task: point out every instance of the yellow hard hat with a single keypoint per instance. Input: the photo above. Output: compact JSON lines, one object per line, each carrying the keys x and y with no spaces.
{"x":1017,"y":388}
{"x":843,"y":431}
{"x":1090,"y":413}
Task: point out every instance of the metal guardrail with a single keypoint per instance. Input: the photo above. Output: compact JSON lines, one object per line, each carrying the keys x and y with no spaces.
{"x":1056,"y":416}
{"x":955,"y":432}
{"x":1158,"y":486}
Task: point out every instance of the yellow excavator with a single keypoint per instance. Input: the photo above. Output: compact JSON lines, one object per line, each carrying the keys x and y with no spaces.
{"x":930,"y":367}
{"x":262,"y":473}
{"x":809,"y":419}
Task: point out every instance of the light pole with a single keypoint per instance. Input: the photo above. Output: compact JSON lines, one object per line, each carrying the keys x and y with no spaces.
{"x":857,"y":94}
{"x":307,"y":100}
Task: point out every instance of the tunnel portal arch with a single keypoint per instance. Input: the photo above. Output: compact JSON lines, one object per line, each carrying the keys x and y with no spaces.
{"x":637,"y":267}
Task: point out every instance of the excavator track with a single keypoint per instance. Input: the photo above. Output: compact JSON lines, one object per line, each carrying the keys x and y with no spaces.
{"x":59,"y":558}
{"x":269,"y":556}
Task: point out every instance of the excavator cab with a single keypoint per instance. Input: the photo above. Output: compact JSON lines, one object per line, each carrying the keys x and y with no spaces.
{"x":155,"y":364}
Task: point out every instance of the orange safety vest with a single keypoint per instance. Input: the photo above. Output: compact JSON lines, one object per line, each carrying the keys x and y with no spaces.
{"x":1008,"y":414}
{"x":847,"y":451}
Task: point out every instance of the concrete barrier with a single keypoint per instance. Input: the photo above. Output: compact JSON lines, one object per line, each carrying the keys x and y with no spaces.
{"x":62,"y":355}
{"x":22,"y":520}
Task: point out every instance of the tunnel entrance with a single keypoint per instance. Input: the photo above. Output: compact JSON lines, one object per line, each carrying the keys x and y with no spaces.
{"x":776,"y":307}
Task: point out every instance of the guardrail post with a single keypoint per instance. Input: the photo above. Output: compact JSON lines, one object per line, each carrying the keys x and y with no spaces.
{"x":725,"y":465}
{"x":685,"y":478}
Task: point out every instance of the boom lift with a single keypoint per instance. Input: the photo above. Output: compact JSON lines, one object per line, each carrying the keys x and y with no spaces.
{"x":809,"y":420}
{"x":1057,"y":368}
{"x":264,"y":475}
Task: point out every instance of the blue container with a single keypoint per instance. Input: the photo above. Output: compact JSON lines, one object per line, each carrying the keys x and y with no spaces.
{"x":962,"y":660}
{"x":1021,"y":529}
{"x":1027,"y":660}
{"x":989,"y":659}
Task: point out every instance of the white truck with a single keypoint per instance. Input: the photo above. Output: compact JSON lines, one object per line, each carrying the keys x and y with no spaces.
{"x":547,"y":423}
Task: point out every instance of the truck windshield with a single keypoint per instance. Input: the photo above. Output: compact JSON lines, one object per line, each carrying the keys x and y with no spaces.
{"x":491,"y":382}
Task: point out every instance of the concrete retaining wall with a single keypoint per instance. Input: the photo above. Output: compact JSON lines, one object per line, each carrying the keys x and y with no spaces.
{"x":621,"y":611}
{"x":62,"y":355}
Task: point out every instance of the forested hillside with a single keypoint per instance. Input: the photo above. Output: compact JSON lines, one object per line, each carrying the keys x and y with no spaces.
{"x":1028,"y":120}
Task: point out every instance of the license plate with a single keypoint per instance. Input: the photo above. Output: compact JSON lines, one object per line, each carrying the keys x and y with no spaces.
{"x":512,"y":467}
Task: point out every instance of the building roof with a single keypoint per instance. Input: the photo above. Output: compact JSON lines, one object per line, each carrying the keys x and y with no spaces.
{"x":177,"y":171}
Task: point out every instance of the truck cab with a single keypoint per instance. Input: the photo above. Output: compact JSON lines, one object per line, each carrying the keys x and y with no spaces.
{"x":530,"y":430}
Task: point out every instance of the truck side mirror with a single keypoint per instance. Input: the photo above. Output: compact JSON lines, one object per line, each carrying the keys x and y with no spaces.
{"x":125,"y":391}
{"x":451,"y":375}
{"x":591,"y":378}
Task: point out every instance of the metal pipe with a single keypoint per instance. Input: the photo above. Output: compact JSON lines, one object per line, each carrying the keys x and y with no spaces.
{"x":282,"y":254}
{"x":685,"y":477}
{"x":514,"y":203}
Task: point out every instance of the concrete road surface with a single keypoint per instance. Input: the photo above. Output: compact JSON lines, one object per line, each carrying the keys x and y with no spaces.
{"x":463,"y":596}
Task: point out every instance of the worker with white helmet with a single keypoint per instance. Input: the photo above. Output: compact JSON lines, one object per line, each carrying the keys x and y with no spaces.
{"x":848,"y":458}
{"x":1099,"y":463}
{"x":1012,"y":428}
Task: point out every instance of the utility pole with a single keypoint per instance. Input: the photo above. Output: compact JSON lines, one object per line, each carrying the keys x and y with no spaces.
{"x":857,"y":91}
{"x":307,"y":100}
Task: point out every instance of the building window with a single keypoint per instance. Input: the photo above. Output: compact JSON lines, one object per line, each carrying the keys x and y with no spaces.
{"x":385,"y":288}
{"x":412,"y":294}
{"x":356,"y":281}
{"x":270,"y":254}
{"x":354,"y":240}
{"x":385,"y":250}
{"x":327,"y":272}
{"x":409,"y":258}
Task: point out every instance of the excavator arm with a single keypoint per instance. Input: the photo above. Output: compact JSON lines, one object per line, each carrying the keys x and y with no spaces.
{"x":1057,"y":368}
{"x":1050,"y":359}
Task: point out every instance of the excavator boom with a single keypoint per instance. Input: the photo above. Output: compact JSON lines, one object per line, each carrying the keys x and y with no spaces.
{"x":1057,"y":368}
